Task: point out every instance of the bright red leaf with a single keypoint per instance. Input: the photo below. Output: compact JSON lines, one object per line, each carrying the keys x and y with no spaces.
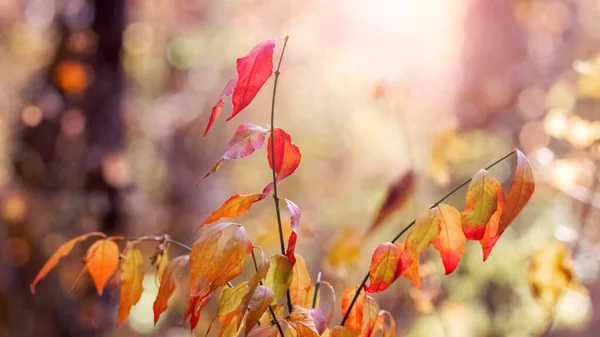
{"x":287,"y":156}
{"x":253,"y":71}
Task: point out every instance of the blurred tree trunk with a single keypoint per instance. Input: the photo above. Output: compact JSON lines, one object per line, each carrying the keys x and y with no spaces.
{"x":70,"y":166}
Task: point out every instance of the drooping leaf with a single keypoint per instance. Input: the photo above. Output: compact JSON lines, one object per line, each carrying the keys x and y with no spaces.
{"x":247,"y":138}
{"x":231,"y":298}
{"x":301,"y":320}
{"x":173,"y":270}
{"x":131,"y":287}
{"x":259,"y":303}
{"x":319,"y":318}
{"x":207,"y":271}
{"x":61,"y":252}
{"x":370,"y":314}
{"x":279,"y":276}
{"x":102,"y":260}
{"x":355,"y":318}
{"x":451,"y":242}
{"x":397,"y":196}
{"x":344,"y":331}
{"x":384,"y":267}
{"x":253,"y":71}
{"x":521,"y":190}
{"x":294,"y":223}
{"x":233,"y":207}
{"x":411,"y":272}
{"x":484,"y":197}
{"x":387,"y":330}
{"x":287,"y":156}
{"x":161,"y":263}
{"x":216,"y":110}
{"x":300,"y":283}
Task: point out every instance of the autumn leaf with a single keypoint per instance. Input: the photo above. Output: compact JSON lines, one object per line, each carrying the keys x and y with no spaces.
{"x":355,"y":318}
{"x":231,"y":298}
{"x":483,"y":200}
{"x":294,"y":223}
{"x":102,"y":260}
{"x":521,"y":190}
{"x":167,"y":285}
{"x":216,"y":110}
{"x":300,"y":283}
{"x":247,"y":138}
{"x":264,"y":331}
{"x":61,"y":252}
{"x":411,"y":272}
{"x":161,"y":263}
{"x":279,"y":276}
{"x":287,"y":156}
{"x":344,"y":252}
{"x":207,"y":271}
{"x":344,"y":331}
{"x":387,"y":330}
{"x":397,"y":195}
{"x":261,"y":299}
{"x":370,"y":314}
{"x":301,"y":320}
{"x":384,"y":267}
{"x":235,"y":206}
{"x":325,"y":284}
{"x":451,"y":241}
{"x":253,"y":72}
{"x":131,"y":286}
{"x":551,"y":273}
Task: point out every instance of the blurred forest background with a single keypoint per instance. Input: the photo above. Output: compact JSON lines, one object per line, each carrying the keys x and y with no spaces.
{"x":103,"y":104}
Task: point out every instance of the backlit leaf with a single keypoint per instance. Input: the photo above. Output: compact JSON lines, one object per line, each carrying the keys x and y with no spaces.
{"x":231,"y":298}
{"x":521,"y":190}
{"x":257,"y":306}
{"x":247,"y":138}
{"x":384,"y":267}
{"x":173,"y":270}
{"x":216,"y":110}
{"x":131,"y":287}
{"x":387,"y":330}
{"x":451,"y":242}
{"x":355,"y":318}
{"x":300,"y":283}
{"x":301,"y":320}
{"x":294,"y":223}
{"x":161,"y":263}
{"x":287,"y":155}
{"x":397,"y":196}
{"x":253,"y":71}
{"x":370,"y":314}
{"x":102,"y":260}
{"x":61,"y":252}
{"x":482,"y":201}
{"x":235,"y":206}
{"x":279,"y":276}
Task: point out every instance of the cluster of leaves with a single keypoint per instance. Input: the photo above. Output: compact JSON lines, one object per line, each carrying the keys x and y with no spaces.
{"x":256,"y":307}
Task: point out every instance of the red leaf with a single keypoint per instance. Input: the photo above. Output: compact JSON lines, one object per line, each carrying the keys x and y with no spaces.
{"x":253,"y":71}
{"x":294,"y":223}
{"x":216,"y":110}
{"x":247,"y":138}
{"x":287,"y":155}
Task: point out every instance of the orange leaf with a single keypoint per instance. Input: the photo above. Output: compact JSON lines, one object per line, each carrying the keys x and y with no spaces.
{"x":452,"y":241}
{"x":300,"y":284}
{"x":61,"y":252}
{"x":102,"y":260}
{"x":411,"y":272}
{"x":131,"y":287}
{"x":397,"y":196}
{"x":386,"y":330}
{"x":344,"y":331}
{"x":521,"y":190}
{"x":355,"y":319}
{"x":484,"y":196}
{"x":370,"y":313}
{"x":209,"y":271}
{"x":301,"y":320}
{"x":247,"y":138}
{"x":167,"y":284}
{"x":235,"y":206}
{"x":384,"y":266}
{"x":261,"y":299}
{"x":287,"y":155}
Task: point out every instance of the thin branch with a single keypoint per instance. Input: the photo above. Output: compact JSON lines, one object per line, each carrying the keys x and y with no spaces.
{"x":364,"y":281}
{"x":275,"y":195}
{"x":317,"y":286}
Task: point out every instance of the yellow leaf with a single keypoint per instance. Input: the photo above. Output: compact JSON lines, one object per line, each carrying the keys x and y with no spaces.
{"x":131,"y":287}
{"x":300,"y":283}
{"x":279,"y":276}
